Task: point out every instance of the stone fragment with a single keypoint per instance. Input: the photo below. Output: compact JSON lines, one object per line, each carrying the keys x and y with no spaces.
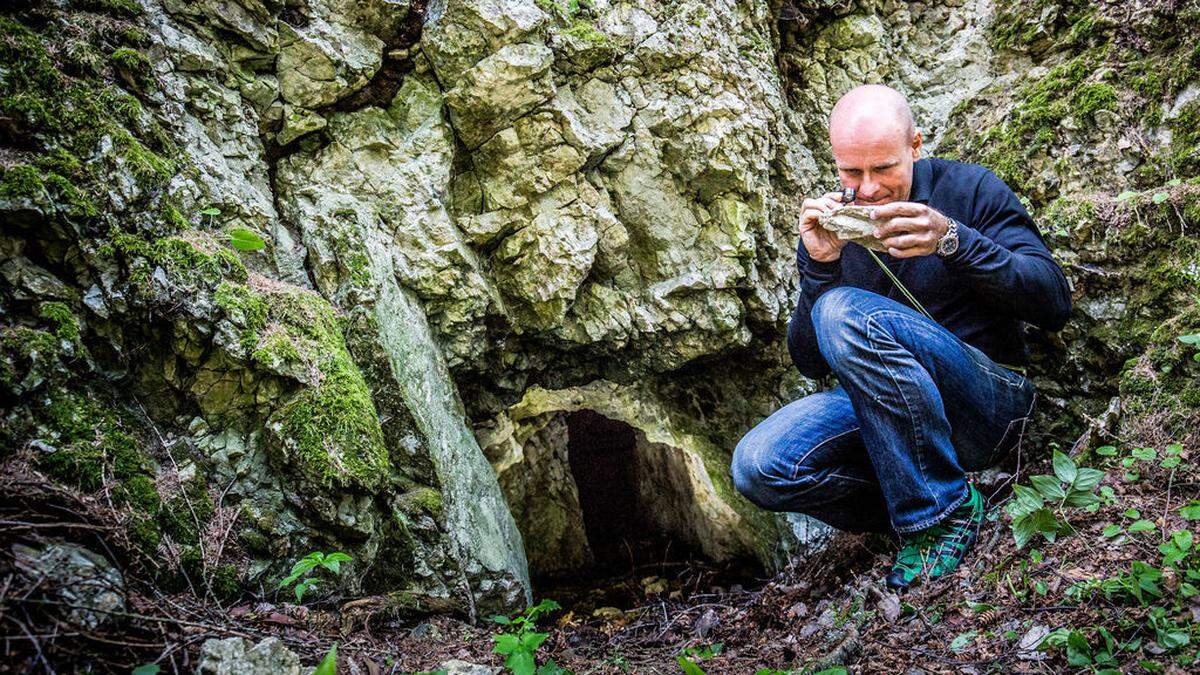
{"x":239,"y":656}
{"x":499,"y":89}
{"x":854,"y":223}
{"x":78,"y":577}
{"x":298,"y":122}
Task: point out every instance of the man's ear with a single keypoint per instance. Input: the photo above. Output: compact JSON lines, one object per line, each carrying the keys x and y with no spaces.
{"x":916,"y":145}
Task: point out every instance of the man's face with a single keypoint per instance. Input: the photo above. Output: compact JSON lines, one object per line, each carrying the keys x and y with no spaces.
{"x":875,"y":161}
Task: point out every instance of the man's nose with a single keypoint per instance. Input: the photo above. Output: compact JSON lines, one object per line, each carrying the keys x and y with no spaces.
{"x":868,"y":189}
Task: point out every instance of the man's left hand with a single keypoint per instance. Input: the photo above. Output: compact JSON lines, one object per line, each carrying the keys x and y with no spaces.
{"x":912,"y":229}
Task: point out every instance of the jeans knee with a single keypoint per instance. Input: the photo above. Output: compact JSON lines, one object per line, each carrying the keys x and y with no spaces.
{"x":750,"y":477}
{"x":840,"y":323}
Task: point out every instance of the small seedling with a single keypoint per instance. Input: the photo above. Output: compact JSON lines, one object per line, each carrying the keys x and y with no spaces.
{"x":331,"y":561}
{"x":688,"y":665}
{"x":522,"y":642}
{"x":1041,"y":509}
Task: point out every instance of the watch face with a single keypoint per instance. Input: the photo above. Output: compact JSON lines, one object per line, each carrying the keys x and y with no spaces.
{"x":948,"y":245}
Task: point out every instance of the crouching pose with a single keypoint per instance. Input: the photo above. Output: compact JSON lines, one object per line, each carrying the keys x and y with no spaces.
{"x":921,"y":395}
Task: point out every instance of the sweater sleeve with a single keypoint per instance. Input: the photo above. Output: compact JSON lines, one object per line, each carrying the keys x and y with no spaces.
{"x":1002,"y":256}
{"x":815,"y":278}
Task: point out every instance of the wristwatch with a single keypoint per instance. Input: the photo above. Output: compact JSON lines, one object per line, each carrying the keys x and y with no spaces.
{"x":948,"y":244}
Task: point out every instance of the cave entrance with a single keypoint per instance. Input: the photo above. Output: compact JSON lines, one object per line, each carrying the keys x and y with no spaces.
{"x":603,"y":455}
{"x":602,"y":509}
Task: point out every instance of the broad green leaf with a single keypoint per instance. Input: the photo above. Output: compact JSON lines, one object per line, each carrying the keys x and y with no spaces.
{"x":688,"y":666}
{"x":328,"y":665}
{"x":1081,"y":499}
{"x":211,"y":211}
{"x":1048,"y":487}
{"x":500,"y":618}
{"x":1144,"y":453}
{"x":1142,"y":525}
{"x":1173,"y":449}
{"x":505,"y":643}
{"x":1174,"y":182}
{"x":532,"y":641}
{"x":1193,"y":339}
{"x":146,"y":669}
{"x":304,"y":587}
{"x":521,"y":662}
{"x":244,"y":239}
{"x":1182,"y":539}
{"x":1028,"y":498}
{"x":1160,"y":197}
{"x":1132,"y":513}
{"x":1087,"y":479}
{"x":963,"y":641}
{"x":1106,"y":451}
{"x":1190,"y":511}
{"x":1111,"y":531}
{"x":1064,"y":467}
{"x":1023,"y":530}
{"x":1126,"y":195}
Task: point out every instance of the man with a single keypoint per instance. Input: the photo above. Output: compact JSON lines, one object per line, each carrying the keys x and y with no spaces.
{"x":919,"y":402}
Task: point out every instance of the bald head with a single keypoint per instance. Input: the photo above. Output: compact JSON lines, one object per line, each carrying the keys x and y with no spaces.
{"x":875,"y":143}
{"x":871,"y":110}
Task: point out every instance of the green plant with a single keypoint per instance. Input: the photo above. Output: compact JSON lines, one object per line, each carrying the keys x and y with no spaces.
{"x":331,"y":561}
{"x":1081,"y":653}
{"x":685,"y":657}
{"x":328,"y":665}
{"x":1041,"y":509}
{"x":522,"y":642}
{"x":1194,"y":341}
{"x":244,"y":239}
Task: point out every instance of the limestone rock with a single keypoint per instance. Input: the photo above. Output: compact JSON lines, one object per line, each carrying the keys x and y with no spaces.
{"x":500,"y":88}
{"x":323,"y":62}
{"x":239,"y":656}
{"x":75,"y":576}
{"x":468,"y":30}
{"x":854,"y":223}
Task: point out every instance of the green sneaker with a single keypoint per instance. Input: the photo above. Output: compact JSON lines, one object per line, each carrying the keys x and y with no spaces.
{"x":937,"y":551}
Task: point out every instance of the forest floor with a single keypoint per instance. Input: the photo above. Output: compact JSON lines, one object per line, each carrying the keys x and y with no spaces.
{"x":1116,"y":591}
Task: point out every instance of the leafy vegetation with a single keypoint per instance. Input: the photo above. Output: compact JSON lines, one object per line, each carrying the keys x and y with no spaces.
{"x":521,"y":641}
{"x":1042,"y":508}
{"x":304,"y":566}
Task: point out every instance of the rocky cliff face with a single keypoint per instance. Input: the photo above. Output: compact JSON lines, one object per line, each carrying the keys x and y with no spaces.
{"x":481,"y":218}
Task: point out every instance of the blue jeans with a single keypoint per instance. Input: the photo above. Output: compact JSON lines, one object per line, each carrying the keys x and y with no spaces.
{"x":915,"y":408}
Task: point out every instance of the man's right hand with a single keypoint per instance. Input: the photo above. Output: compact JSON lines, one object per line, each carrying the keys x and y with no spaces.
{"x":821,"y":244}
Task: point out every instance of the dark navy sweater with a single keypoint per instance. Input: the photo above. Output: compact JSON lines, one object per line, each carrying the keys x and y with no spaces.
{"x":1001,"y":275}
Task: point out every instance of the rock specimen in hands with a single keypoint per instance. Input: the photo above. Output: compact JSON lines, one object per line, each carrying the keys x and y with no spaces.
{"x":854,"y":223}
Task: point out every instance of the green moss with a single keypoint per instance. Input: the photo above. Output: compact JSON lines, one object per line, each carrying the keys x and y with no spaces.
{"x":133,"y":63}
{"x":244,"y":308}
{"x":55,"y":101}
{"x":1092,"y":97}
{"x":139,"y":493}
{"x":143,"y":532}
{"x":330,"y":430}
{"x":586,"y":32}
{"x":66,"y":325}
{"x":424,"y":499}
{"x":185,"y":515}
{"x":188,"y":262}
{"x":22,"y":182}
{"x":120,"y":8}
{"x":172,"y":218}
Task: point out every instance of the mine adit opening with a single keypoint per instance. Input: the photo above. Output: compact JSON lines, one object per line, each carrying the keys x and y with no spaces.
{"x":624,"y":511}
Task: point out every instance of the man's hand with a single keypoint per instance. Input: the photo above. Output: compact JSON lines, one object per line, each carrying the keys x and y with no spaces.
{"x":821,"y":244}
{"x":912,"y":229}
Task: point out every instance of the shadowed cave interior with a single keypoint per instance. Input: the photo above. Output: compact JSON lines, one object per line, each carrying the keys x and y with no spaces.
{"x":603,"y":502}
